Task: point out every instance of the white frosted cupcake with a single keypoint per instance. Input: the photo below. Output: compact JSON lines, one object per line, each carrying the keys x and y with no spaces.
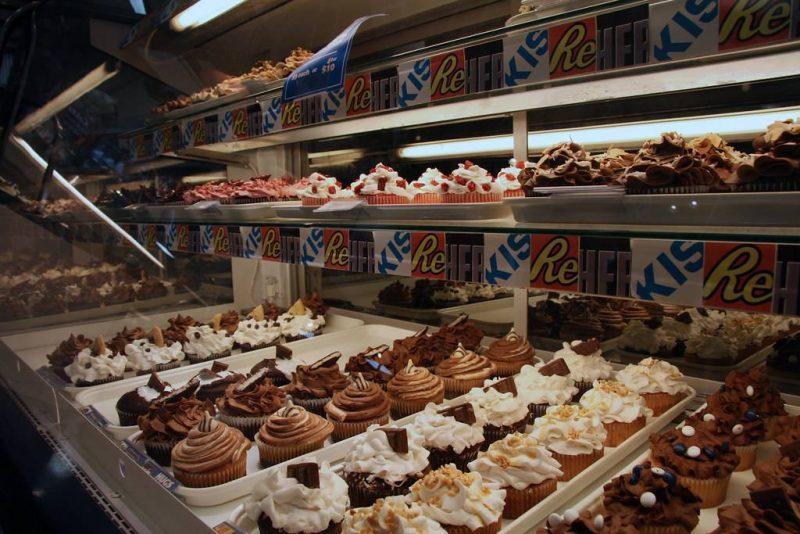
{"x":623,"y":412}
{"x":521,"y":465}
{"x":300,"y":322}
{"x":96,"y":365}
{"x":508,"y":178}
{"x":146,"y":356}
{"x":471,"y":183}
{"x":573,"y":434}
{"x":540,"y":391}
{"x":449,"y":435}
{"x":205,"y":343}
{"x":429,"y":187}
{"x":390,"y":515}
{"x":500,"y":413}
{"x":660,"y":383}
{"x":253,"y":334}
{"x":320,"y":189}
{"x":586,"y":363}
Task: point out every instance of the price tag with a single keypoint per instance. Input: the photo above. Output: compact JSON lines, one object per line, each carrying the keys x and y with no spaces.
{"x":95,"y":417}
{"x":340,"y":205}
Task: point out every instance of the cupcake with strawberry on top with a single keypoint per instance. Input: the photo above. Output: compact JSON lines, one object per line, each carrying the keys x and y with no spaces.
{"x":430,"y":186}
{"x":382,"y":186}
{"x":320,"y":190}
{"x":470,"y":184}
{"x":508,"y":178}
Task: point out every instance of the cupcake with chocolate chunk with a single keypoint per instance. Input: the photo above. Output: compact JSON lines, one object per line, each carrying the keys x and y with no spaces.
{"x":176,"y":331}
{"x":207,"y":342}
{"x":755,"y":386}
{"x":135,"y":403}
{"x":215,"y":380}
{"x":500,"y":409}
{"x":622,"y":411}
{"x":313,"y":386}
{"x":356,"y":407}
{"x":586,"y":363}
{"x":510,"y":353}
{"x":146,"y":355}
{"x":740,"y":422}
{"x":247,"y":404}
{"x":275,"y":375}
{"x":545,"y":385}
{"x":463,"y":370}
{"x":125,"y":337}
{"x":300,"y":322}
{"x":660,"y":383}
{"x":574,"y":435}
{"x":373,"y":363}
{"x":412,"y":388}
{"x":211,"y":454}
{"x":66,"y":352}
{"x":227,"y":322}
{"x":463,"y":331}
{"x":255,"y":332}
{"x":452,"y":434}
{"x":96,"y":365}
{"x":392,"y":514}
{"x":290,"y":432}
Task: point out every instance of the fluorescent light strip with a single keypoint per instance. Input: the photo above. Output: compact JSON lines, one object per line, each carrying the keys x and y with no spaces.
{"x":733,"y":127}
{"x":64,"y":183}
{"x":202,"y":12}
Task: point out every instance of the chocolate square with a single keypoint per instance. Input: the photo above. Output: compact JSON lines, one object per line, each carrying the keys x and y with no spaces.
{"x":306,"y":473}
{"x":585,"y":348}
{"x":183,"y":392}
{"x":253,"y":380}
{"x":398,"y":439}
{"x":463,"y":413}
{"x":217,"y":367}
{"x":684,"y":317}
{"x":283,"y":352}
{"x":555,"y":367}
{"x":507,"y":385}
{"x":156,"y":383}
{"x":327,"y":361}
{"x":790,"y":450}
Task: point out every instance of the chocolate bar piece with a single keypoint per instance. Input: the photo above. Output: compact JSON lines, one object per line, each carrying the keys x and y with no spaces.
{"x":156,"y":383}
{"x":327,"y":361}
{"x":282,"y":352}
{"x":507,"y":385}
{"x":217,"y":367}
{"x":398,"y":439}
{"x":253,"y":380}
{"x":183,"y":392}
{"x":554,"y":367}
{"x":306,"y":473}
{"x":463,"y":413}
{"x":790,"y":450}
{"x":587,"y":347}
{"x":373,"y":352}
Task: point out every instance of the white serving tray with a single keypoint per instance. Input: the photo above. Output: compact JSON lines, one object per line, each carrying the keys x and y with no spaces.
{"x":404,"y":212}
{"x":748,"y":362}
{"x":104,"y":398}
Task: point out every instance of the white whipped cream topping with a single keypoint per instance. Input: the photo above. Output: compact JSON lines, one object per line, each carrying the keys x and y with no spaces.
{"x":615,"y":403}
{"x":482,"y":182}
{"x":653,"y":376}
{"x":392,"y":515}
{"x":372,"y":454}
{"x":255,"y":332}
{"x":439,"y":431}
{"x":641,"y":338}
{"x":300,"y":325}
{"x":210,"y":341}
{"x":429,"y":181}
{"x":369,"y":184}
{"x":677,"y":329}
{"x":518,"y":461}
{"x":144,"y":355}
{"x":320,"y":186}
{"x":535,"y":388}
{"x":150,"y":394}
{"x":221,"y":375}
{"x":570,"y":430}
{"x":89,"y":368}
{"x":584,"y":368}
{"x":497,"y":409}
{"x":295,"y":508}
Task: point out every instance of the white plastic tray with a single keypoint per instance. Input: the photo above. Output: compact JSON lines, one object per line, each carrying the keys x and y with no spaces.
{"x":253,"y":212}
{"x":746,"y":363}
{"x":407,"y":212}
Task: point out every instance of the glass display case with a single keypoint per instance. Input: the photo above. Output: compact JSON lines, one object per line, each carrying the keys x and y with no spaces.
{"x":259,"y":274}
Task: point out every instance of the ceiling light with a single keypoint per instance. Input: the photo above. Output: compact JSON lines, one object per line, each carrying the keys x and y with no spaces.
{"x":201,"y":12}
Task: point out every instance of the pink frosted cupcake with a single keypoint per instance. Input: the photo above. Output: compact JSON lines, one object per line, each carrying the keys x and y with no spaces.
{"x":508,"y":178}
{"x":320,"y":190}
{"x":382,"y":186}
{"x":428,"y":188}
{"x":471,"y":184}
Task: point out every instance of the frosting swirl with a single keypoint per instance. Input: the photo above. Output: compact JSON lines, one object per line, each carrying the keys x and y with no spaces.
{"x":316,"y":382}
{"x":570,"y":430}
{"x":584,"y":368}
{"x":209,"y":446}
{"x":465,"y":364}
{"x":510,"y":348}
{"x":653,"y":376}
{"x":260,"y":399}
{"x":68,"y":349}
{"x":90,"y":367}
{"x":516,"y":461}
{"x":371,"y":453}
{"x":614,"y":402}
{"x":172,"y":420}
{"x":415,"y":383}
{"x":440,"y":431}
{"x":204,"y":341}
{"x":495,"y":408}
{"x":293,"y":425}
{"x":536,"y":388}
{"x":359,"y":401}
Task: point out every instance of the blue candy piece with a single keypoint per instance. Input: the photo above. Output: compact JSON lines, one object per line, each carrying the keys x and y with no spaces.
{"x":751,"y":414}
{"x":725,"y":446}
{"x":711,"y":453}
{"x":669,"y":478}
{"x":635,"y":474}
{"x":679,"y":448}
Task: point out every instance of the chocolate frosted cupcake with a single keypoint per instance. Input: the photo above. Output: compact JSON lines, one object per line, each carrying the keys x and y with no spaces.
{"x":739,"y":421}
{"x":574,"y":435}
{"x":227,"y":321}
{"x":782,"y":472}
{"x":211,"y":454}
{"x":510,"y":353}
{"x":634,"y":311}
{"x":135,"y":403}
{"x":754,"y":385}
{"x":214,"y":381}
{"x":96,"y":365}
{"x":612,"y":322}
{"x":395,"y":294}
{"x":565,"y":164}
{"x":785,"y":355}
{"x":66,"y":352}
{"x":499,"y":409}
{"x":766,"y":511}
{"x":702,"y":459}
{"x":275,"y":375}
{"x":463,"y":370}
{"x":313,"y":386}
{"x":207,"y":343}
{"x":356,"y":407}
{"x":464,"y":332}
{"x":291,"y":432}
{"x":247,"y":404}
{"x":412,"y":389}
{"x":654,"y":498}
{"x":124,"y":337}
{"x":372,"y":364}
{"x":622,"y":411}
{"x":176,"y":331}
{"x":451,"y":434}
{"x":585,"y":362}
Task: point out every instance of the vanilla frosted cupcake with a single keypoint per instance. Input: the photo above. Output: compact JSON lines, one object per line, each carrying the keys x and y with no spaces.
{"x":471,"y":183}
{"x":539,"y":391}
{"x":660,"y":383}
{"x":461,"y":502}
{"x":206,"y":343}
{"x":256,"y":332}
{"x":586,"y":363}
{"x":521,"y":465}
{"x":500,"y":413}
{"x":96,"y":365}
{"x":622,"y":411}
{"x":452,"y":434}
{"x":146,"y":356}
{"x":390,"y":515}
{"x":574,"y":435}
{"x":299,"y":322}
{"x":463,"y":370}
{"x":320,"y":189}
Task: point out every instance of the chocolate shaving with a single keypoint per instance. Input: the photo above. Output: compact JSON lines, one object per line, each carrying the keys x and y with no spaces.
{"x":282,"y":352}
{"x":554,"y":367}
{"x":250,"y":382}
{"x":585,"y":348}
{"x":777,"y":500}
{"x":703,"y":312}
{"x":216,"y":367}
{"x":653,"y":322}
{"x":183,"y":392}
{"x":306,"y":473}
{"x":506,"y":385}
{"x":463,"y":413}
{"x":398,"y":439}
{"x":156,"y":383}
{"x":790,"y":450}
{"x":327,"y":361}
{"x":684,"y":317}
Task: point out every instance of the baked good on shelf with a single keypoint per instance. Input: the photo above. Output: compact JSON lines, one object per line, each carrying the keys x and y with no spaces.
{"x":275,"y":375}
{"x":392,"y":514}
{"x":650,"y":337}
{"x":785,"y":355}
{"x":290,"y":432}
{"x":136,"y":402}
{"x":313,"y":386}
{"x":460,"y":330}
{"x":228,"y":321}
{"x":755,"y":385}
{"x":430,"y":187}
{"x":452,"y":434}
{"x":739,"y":421}
{"x":125,"y":337}
{"x":315,"y":304}
{"x":66,"y":351}
{"x":622,"y":411}
{"x":96,"y":365}
{"x":384,"y":461}
{"x":320,"y":190}
{"x":207,"y":343}
{"x":176,"y":331}
{"x":580,"y":323}
{"x":412,"y":388}
{"x":499,"y":409}
{"x":153,"y":353}
{"x":395,"y":294}
{"x":545,"y":385}
{"x":611,"y":321}
{"x":585,"y":362}
{"x":523,"y":467}
{"x":255,"y":332}
{"x":573,"y":434}
{"x":612,"y":164}
{"x":702,"y":458}
{"x":660,"y":383}
{"x":734,"y":168}
{"x":463,"y":370}
{"x":373,"y":364}
{"x":470,"y":183}
{"x":565,"y":164}
{"x":213,"y":381}
{"x":211,"y":454}
{"x":508,"y":178}
{"x":300,"y":322}
{"x":777,"y":160}
{"x":381,"y":186}
{"x":305,"y":497}
{"x":460,"y":502}
{"x":356,"y":407}
{"x":766,"y":511}
{"x":247,"y":404}
{"x":509,"y":353}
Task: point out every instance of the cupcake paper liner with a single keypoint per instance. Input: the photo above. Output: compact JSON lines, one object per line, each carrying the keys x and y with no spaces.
{"x":442,"y":457}
{"x":316,"y":406}
{"x":710,"y":491}
{"x":160,"y":451}
{"x":661,"y":402}
{"x":509,"y":368}
{"x":492,"y":433}
{"x":573,"y":464}
{"x":403,"y":408}
{"x":343,"y":430}
{"x":536,"y":410}
{"x":212,"y":478}
{"x":265,"y":527}
{"x":617,"y":433}
{"x":249,"y":425}
{"x":272,"y":455}
{"x":454,"y":387}
{"x":656,"y":529}
{"x":488,"y":529}
{"x":472,"y":197}
{"x":194,"y":358}
{"x":84,"y":384}
{"x":309,"y":201}
{"x":747,"y":456}
{"x":520,"y":501}
{"x":427,"y":198}
{"x":384,"y":200}
{"x":516,"y":193}
{"x":158,"y":368}
{"x":365,"y":493}
{"x":127,"y":418}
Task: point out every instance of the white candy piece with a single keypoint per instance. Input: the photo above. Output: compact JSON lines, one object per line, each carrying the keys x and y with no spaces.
{"x":687,"y":431}
{"x":571,"y":515}
{"x":693,"y":451}
{"x":750,"y":391}
{"x":554,"y":520}
{"x":648,"y":499}
{"x":737,"y":429}
{"x":657,"y":471}
{"x":709,"y":417}
{"x":599,"y":521}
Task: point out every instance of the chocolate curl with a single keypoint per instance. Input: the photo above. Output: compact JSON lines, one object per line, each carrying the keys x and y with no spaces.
{"x":507,"y":385}
{"x":216,"y":322}
{"x":183,"y":392}
{"x":326,"y":361}
{"x":587,"y":347}
{"x":283,"y":352}
{"x":397,"y":438}
{"x":156,"y":383}
{"x":218,"y":366}
{"x":251,"y":382}
{"x":306,"y":473}
{"x":298,"y":308}
{"x":463,"y":413}
{"x":258,"y":313}
{"x":158,"y":337}
{"x":99,"y":346}
{"x":555,"y":367}
{"x":775,"y":499}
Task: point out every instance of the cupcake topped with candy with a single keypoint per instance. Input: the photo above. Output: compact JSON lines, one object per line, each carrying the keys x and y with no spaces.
{"x":430,"y":186}
{"x":508,"y":177}
{"x":392,"y":514}
{"x":320,"y":190}
{"x":471,"y":183}
{"x":382,"y":186}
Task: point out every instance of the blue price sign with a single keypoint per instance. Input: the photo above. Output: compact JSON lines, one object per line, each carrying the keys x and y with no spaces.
{"x":325,"y":70}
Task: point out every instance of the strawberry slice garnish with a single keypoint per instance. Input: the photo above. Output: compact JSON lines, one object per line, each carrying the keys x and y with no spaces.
{"x":520,"y":165}
{"x":461,"y":180}
{"x":445,"y":187}
{"x":486,"y":187}
{"x":471,"y":186}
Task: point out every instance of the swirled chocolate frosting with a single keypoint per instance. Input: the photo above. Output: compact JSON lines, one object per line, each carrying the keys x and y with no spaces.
{"x":415,"y":383}
{"x":563,"y":164}
{"x":465,"y":364}
{"x":460,"y":331}
{"x":749,"y":518}
{"x":125,"y":336}
{"x":177,"y":328}
{"x":293,"y":426}
{"x":68,"y":349}
{"x":510,"y":348}
{"x":696,"y":451}
{"x":261,"y":399}
{"x":359,"y":401}
{"x":783,"y":472}
{"x":668,"y":161}
{"x":738,"y":418}
{"x":209,"y":446}
{"x":316,"y":382}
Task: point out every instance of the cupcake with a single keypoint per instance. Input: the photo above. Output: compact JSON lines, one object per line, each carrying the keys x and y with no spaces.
{"x":382,"y":186}
{"x":754,"y":384}
{"x":429,"y":187}
{"x":523,"y":467}
{"x":227,"y":322}
{"x":650,"y":337}
{"x":66,"y":352}
{"x":661,"y":384}
{"x":580,"y":323}
{"x":508,"y":178}
{"x":612,"y":322}
{"x":588,"y":522}
{"x":411,"y":389}
{"x":740,"y":423}
{"x":655,"y":499}
{"x":255,"y":332}
{"x":135,"y":403}
{"x":768,"y":510}
{"x":390,"y":515}
{"x":146,"y":355}
{"x":356,"y":407}
{"x":574,"y":435}
{"x":320,"y":190}
{"x":211,"y":454}
{"x":634,"y":311}
{"x":462,"y":503}
{"x":463,"y":370}
{"x":301,"y":498}
{"x":213,"y":382}
{"x":275,"y":375}
{"x":206,"y":343}
{"x":778,"y":472}
{"x":313,"y":386}
{"x":459,"y":331}
{"x":176,"y":331}
{"x":452,"y":434}
{"x":246,"y":405}
{"x":96,"y":365}
{"x":586,"y":363}
{"x":702,"y":459}
{"x":124,"y":337}
{"x":291,"y":432}
{"x":544,"y":385}
{"x":300,"y":322}
{"x":510,"y":353}
{"x":622,"y":411}
{"x":384,"y":461}
{"x":471,"y":184}
{"x":372,"y":364}
{"x":169,"y":419}
{"x":499,"y":409}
